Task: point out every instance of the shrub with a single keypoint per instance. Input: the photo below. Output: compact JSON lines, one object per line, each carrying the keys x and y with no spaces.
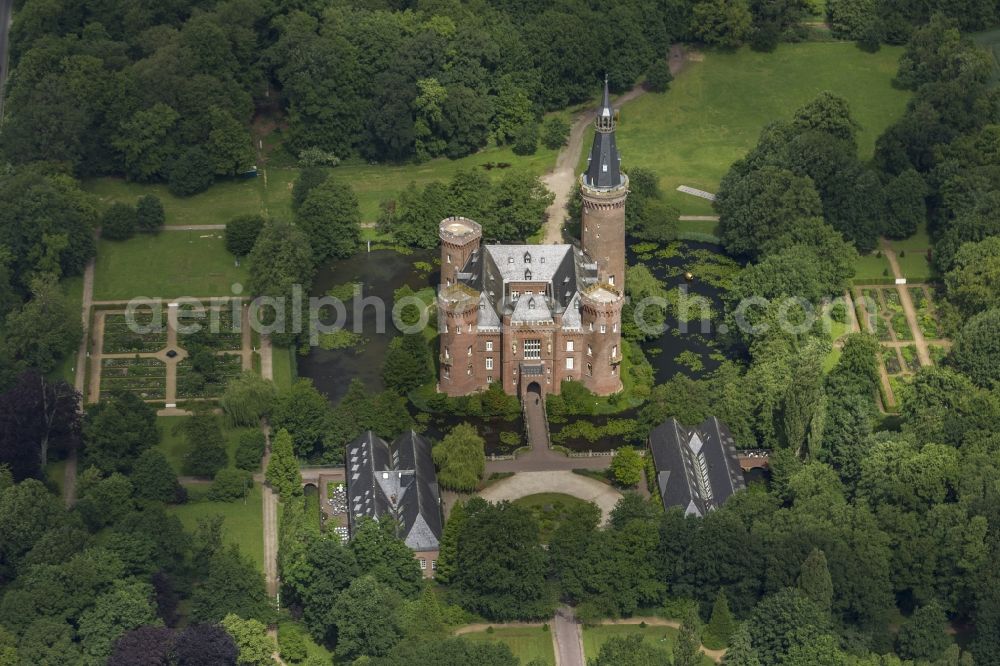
{"x":118,"y":222}
{"x":626,"y":467}
{"x":555,"y":132}
{"x":250,"y":450}
{"x":191,"y":173}
{"x":658,"y":76}
{"x":230,"y":484}
{"x":242,"y":232}
{"x":526,"y":139}
{"x":150,"y":215}
{"x":460,"y":458}
{"x":312,"y":157}
{"x":291,"y":643}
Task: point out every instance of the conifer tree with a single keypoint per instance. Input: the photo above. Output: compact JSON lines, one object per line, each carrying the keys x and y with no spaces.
{"x":687,"y":649}
{"x":741,"y":652}
{"x":449,"y":544}
{"x":283,"y":468}
{"x":815,"y":581}
{"x":721,"y":625}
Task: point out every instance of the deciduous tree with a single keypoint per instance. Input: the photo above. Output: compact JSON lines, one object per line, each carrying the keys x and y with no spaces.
{"x":460,"y":458}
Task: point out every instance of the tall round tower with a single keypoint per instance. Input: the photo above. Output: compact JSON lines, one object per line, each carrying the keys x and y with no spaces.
{"x":458,"y":310}
{"x":601,"y":314}
{"x":603,"y":190}
{"x":460,"y":238}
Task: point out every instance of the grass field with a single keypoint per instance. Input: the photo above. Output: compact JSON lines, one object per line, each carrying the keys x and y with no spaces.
{"x":271,"y":193}
{"x":714,"y":111}
{"x":243,"y":523}
{"x":283,"y":367}
{"x":526,"y":643}
{"x":660,"y":637}
{"x":173,"y":445}
{"x":167,"y":265}
{"x":871,"y":267}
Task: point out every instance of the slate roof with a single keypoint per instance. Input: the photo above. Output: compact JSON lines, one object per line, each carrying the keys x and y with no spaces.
{"x":697,"y":469}
{"x":604,"y":163}
{"x":398,"y":481}
{"x":564,"y":268}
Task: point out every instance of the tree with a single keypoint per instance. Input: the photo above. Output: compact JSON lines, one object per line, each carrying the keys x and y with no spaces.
{"x":250,"y":450}
{"x":331,"y":219}
{"x":526,"y":138}
{"x":976,"y":351}
{"x":721,"y":625}
{"x":190,"y":173}
{"x":450,"y":651}
{"x":923,"y":636}
{"x":724,"y":23}
{"x":659,"y":76}
{"x":555,"y":132}
{"x":308,"y":178}
{"x":143,"y":646}
{"x":228,"y":146}
{"x":281,"y":259}
{"x":448,"y":552}
{"x":248,"y":398}
{"x":230,"y":484}
{"x":119,"y":222}
{"x":687,"y":648}
{"x":255,"y":646}
{"x":500,"y":579}
{"x":27,"y":511}
{"x":49,"y":641}
{"x":292,"y":643}
{"x":814,"y":580}
{"x":740,"y":651}
{"x":460,"y":458}
{"x":205,"y":645}
{"x":233,"y":584}
{"x":205,"y":444}
{"x":630,"y":650}
{"x":36,"y":416}
{"x":783,"y":620}
{"x":905,"y":208}
{"x":974,"y":281}
{"x":104,"y":501}
{"x":154,"y":478}
{"x":283,"y":468}
{"x":117,"y":430}
{"x":407,"y":363}
{"x":149,"y":214}
{"x":242,"y":232}
{"x":126,"y":607}
{"x":305,"y":413}
{"x":626,"y":467}
{"x":365,"y":616}
{"x":383,"y":556}
{"x":45,"y":329}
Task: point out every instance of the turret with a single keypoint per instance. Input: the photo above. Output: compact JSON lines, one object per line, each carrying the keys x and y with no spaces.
{"x":603,"y":190}
{"x":601,"y":312}
{"x":458,"y":311}
{"x":460,"y":238}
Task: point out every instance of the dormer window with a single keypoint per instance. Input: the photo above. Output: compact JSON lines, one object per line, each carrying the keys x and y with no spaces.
{"x":510,"y":260}
{"x":527,"y":274}
{"x":541,"y":260}
{"x":531,"y":304}
{"x":527,"y":257}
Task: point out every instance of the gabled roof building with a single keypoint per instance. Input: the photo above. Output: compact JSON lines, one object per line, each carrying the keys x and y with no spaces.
{"x":397,"y":481}
{"x":697,"y":469}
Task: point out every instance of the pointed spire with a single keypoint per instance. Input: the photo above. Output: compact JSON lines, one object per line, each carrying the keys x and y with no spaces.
{"x":603,"y":165}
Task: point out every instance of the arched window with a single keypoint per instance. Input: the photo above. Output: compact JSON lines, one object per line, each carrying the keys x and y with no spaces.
{"x":531,"y":304}
{"x":527,"y":257}
{"x":527,"y":273}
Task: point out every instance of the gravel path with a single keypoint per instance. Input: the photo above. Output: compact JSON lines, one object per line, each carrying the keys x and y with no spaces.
{"x":523,"y":484}
{"x":923,"y":353}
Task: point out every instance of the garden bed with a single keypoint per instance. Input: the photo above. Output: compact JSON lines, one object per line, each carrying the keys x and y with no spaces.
{"x":217,"y":330}
{"x":120,"y":338}
{"x":146,"y":377}
{"x":926,"y":319}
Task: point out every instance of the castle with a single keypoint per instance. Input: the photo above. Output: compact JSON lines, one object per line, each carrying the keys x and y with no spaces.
{"x":532,"y":316}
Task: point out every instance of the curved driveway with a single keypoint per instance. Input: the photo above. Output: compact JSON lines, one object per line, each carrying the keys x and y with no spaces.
{"x":523,"y":484}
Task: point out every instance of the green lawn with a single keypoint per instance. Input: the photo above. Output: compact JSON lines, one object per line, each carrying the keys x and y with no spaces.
{"x":526,"y":643}
{"x":915,"y":266}
{"x":709,"y":227}
{"x":283,"y":367}
{"x":549,"y":510}
{"x":661,"y":637}
{"x":72,"y":289}
{"x":168,"y":265}
{"x":714,"y":111}
{"x":871,"y":267}
{"x":243,"y":523}
{"x":271,"y":192}
{"x":174,"y":446}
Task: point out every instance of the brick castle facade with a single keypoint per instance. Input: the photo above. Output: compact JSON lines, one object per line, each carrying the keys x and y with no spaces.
{"x":532,"y":316}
